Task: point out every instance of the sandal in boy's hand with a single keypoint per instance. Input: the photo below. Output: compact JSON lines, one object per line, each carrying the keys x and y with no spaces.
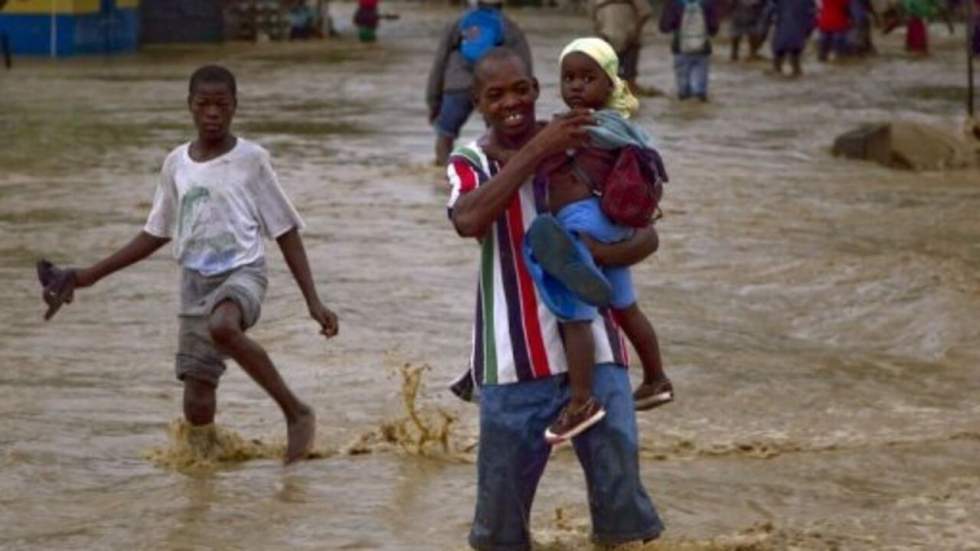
{"x":58,"y":286}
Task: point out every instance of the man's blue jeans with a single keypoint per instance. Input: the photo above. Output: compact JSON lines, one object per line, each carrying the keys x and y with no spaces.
{"x":513,"y":454}
{"x":691,"y":71}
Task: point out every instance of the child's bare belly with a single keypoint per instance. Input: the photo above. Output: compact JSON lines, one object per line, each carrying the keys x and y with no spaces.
{"x":565,"y":186}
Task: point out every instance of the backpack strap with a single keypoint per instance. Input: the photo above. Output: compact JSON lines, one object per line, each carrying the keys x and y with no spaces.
{"x":583,"y":176}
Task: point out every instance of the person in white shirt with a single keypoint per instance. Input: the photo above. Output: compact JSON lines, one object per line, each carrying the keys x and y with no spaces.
{"x":217,"y":198}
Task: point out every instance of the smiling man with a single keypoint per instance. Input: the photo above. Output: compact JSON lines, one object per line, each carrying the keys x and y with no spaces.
{"x":518,"y":361}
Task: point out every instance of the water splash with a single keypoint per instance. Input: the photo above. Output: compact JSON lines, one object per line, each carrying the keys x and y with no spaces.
{"x":208,"y":447}
{"x":424,"y":431}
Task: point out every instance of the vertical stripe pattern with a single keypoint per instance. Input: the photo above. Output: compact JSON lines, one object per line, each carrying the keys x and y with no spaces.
{"x":515,"y":337}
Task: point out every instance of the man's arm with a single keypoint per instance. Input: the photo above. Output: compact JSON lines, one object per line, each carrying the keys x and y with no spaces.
{"x":433,"y":89}
{"x":475,"y":211}
{"x":291,"y":245}
{"x":138,"y":248}
{"x":625,"y":253}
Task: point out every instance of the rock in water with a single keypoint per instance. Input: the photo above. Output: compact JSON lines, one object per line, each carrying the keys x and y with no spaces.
{"x":907,"y":145}
{"x":871,"y":142}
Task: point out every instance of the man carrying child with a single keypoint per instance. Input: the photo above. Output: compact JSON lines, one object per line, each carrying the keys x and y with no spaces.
{"x":518,"y":362}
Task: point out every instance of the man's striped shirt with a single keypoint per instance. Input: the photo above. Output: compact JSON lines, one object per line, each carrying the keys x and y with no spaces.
{"x":515,"y":337}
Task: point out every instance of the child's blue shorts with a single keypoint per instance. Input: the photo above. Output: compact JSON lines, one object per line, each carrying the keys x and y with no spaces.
{"x":585,"y":217}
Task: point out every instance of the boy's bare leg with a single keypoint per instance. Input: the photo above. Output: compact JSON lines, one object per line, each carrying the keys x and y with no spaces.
{"x":225,"y":326}
{"x":640,"y":332}
{"x":580,"y":352}
{"x":736,"y":42}
{"x":200,"y":402}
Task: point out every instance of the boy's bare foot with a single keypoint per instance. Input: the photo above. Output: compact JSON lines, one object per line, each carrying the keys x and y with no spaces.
{"x":299,"y":436}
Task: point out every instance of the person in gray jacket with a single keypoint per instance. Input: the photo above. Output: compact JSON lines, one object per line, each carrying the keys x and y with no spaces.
{"x":449,"y":94}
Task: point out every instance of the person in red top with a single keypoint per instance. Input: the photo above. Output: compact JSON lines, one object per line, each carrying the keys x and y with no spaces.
{"x":833,"y":22}
{"x":366,"y":20}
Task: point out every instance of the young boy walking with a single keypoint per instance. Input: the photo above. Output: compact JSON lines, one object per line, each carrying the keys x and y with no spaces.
{"x":693,"y":23}
{"x":217,"y":197}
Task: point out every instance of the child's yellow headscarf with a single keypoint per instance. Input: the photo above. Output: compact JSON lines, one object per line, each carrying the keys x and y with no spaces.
{"x":621,"y":99}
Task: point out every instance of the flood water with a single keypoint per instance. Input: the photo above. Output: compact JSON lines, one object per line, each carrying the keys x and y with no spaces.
{"x":819,"y":317}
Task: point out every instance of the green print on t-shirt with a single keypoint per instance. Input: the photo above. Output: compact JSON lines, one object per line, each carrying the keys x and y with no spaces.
{"x":190,"y":199}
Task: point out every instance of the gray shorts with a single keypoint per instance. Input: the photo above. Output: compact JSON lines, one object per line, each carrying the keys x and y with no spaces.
{"x":197,"y":355}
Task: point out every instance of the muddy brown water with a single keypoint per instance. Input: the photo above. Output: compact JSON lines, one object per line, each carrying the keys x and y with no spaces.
{"x":818,"y":317}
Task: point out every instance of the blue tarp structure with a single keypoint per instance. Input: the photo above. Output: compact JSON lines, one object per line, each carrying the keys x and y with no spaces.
{"x":60,"y":28}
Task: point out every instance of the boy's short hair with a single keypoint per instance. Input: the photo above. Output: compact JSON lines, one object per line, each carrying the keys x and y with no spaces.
{"x":497,"y":54}
{"x":215,"y":74}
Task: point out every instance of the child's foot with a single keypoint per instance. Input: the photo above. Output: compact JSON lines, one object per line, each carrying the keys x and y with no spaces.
{"x":655,"y":394}
{"x":555,"y":250}
{"x":299,"y":436}
{"x":572,"y":422}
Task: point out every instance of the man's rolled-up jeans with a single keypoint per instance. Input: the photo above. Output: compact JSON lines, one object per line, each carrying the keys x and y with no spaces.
{"x":513,"y":454}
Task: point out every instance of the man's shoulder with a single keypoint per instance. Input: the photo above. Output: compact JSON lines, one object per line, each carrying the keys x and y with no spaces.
{"x":471,"y":153}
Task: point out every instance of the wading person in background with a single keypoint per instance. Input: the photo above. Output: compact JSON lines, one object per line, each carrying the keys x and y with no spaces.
{"x":692,"y":23}
{"x":860,"y":41}
{"x":449,"y":93}
{"x":833,"y":20}
{"x":917,"y":14}
{"x":748,"y":22}
{"x":302,"y":21}
{"x":793,"y":21}
{"x":518,"y":362}
{"x":620,"y":23}
{"x":217,"y":198}
{"x":366,"y":20}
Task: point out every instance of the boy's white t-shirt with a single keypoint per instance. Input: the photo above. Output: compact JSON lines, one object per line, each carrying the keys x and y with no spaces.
{"x":217,"y":211}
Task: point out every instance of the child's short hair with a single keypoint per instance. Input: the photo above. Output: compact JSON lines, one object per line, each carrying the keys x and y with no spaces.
{"x":215,"y":74}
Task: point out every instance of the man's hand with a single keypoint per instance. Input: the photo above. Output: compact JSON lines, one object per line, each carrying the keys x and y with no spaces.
{"x":329,"y":326}
{"x":434,"y":113}
{"x":564,"y":132}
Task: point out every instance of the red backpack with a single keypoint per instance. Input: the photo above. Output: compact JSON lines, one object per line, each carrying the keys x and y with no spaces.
{"x":632,"y":191}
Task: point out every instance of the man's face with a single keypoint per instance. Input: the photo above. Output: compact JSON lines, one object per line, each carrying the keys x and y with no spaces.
{"x":212,"y":106}
{"x":583,"y":83}
{"x":505,"y":96}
